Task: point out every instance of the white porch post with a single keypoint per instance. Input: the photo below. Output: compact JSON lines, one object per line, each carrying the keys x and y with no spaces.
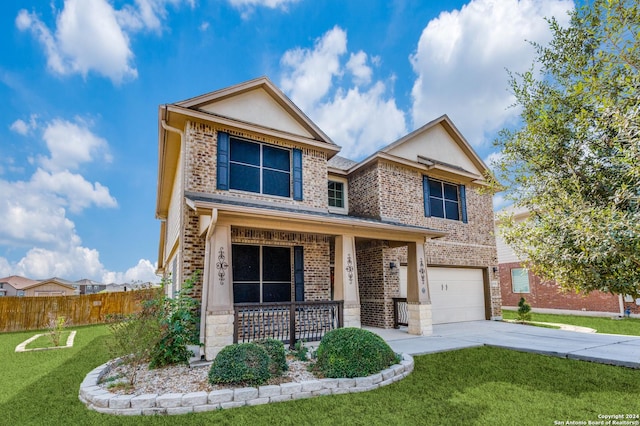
{"x":218,"y":309}
{"x":346,"y":279}
{"x":418,"y":297}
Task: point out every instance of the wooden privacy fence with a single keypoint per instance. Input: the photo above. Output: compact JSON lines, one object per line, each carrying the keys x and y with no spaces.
{"x":32,"y":313}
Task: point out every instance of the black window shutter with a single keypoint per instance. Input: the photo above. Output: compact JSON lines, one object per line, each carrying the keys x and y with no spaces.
{"x":223,"y":161}
{"x":298,"y":272}
{"x":427,"y":201}
{"x":463,"y":203}
{"x":297,"y":175}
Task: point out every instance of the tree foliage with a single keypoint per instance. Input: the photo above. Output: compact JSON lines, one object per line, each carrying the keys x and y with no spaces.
{"x":575,"y":161}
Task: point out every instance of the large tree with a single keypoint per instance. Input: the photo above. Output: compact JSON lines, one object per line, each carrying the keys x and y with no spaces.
{"x":574,"y":162}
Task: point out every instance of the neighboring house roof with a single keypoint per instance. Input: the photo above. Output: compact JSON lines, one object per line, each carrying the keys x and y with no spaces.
{"x":18,"y":282}
{"x":86,"y":281}
{"x":54,"y":280}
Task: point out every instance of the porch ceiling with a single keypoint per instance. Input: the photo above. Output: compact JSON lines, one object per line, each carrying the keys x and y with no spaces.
{"x":289,"y":218}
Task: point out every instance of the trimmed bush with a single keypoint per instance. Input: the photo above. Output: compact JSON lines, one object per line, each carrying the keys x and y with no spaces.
{"x":277,"y":357}
{"x":240,"y":364}
{"x":353,"y":352}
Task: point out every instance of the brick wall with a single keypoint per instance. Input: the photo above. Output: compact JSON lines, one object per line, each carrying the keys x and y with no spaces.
{"x":193,"y":248}
{"x":377,"y":283}
{"x":364,"y":193}
{"x":548,"y":295}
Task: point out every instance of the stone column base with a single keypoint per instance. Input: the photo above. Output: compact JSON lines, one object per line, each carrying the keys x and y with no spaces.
{"x":218,"y":333}
{"x":420,"y":320}
{"x":351,"y":316}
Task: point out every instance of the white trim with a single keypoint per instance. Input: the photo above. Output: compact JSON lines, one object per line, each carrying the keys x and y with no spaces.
{"x":345,"y":195}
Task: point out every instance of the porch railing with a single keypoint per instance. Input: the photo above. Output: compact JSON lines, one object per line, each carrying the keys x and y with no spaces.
{"x":400,"y":312}
{"x":286,"y":321}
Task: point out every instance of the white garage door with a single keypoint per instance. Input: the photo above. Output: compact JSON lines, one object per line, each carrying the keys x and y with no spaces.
{"x":457,"y":294}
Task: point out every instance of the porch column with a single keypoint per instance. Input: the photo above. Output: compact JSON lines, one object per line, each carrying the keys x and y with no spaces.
{"x":219,"y":301}
{"x":346,"y":279}
{"x":418,"y":297}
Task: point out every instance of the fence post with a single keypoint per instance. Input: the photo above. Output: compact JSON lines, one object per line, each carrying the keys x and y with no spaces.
{"x":235,"y":325}
{"x":340,"y":313}
{"x":292,"y":325}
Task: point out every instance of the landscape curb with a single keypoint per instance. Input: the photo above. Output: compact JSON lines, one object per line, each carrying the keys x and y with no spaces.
{"x":103,"y":401}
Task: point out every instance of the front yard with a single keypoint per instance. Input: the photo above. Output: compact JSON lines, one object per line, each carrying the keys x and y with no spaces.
{"x":626,"y":326}
{"x":486,"y":386}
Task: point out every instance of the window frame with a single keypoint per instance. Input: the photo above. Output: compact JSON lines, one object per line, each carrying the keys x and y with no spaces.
{"x":525,"y":273}
{"x":261,"y":167}
{"x":261,"y":281}
{"x":461,"y":200}
{"x":345,"y":195}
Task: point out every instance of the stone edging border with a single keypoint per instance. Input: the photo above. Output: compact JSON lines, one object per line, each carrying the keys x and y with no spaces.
{"x":103,"y":401}
{"x":22,"y":347}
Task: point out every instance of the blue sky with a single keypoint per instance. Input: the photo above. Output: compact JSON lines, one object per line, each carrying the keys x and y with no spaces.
{"x":81,"y":81}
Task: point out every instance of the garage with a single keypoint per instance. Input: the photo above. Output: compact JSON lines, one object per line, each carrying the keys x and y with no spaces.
{"x":457,"y":294}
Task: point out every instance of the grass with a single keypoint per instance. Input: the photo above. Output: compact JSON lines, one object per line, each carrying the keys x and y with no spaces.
{"x":484,"y":386}
{"x":44,"y":341}
{"x":626,"y":326}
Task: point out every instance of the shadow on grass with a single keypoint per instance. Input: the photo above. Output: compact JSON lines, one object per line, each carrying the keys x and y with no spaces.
{"x":471,"y":386}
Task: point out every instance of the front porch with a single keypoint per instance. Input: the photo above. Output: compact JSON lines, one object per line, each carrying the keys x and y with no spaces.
{"x":289,"y":280}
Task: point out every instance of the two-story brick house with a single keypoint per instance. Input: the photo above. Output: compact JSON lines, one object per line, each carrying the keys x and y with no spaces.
{"x":290,"y":236}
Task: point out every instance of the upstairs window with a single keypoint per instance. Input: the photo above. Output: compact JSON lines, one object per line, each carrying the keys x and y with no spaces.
{"x":256,"y":167}
{"x":445,"y":200}
{"x":336,"y":194}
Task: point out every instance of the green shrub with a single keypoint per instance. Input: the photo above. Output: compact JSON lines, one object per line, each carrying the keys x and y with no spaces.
{"x":353,"y":352}
{"x":240,"y":364}
{"x":524,"y":311}
{"x":179,"y":321}
{"x":277,"y":357}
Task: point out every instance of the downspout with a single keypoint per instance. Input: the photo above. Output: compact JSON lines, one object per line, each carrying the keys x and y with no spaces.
{"x":172,"y":129}
{"x":204,"y":306}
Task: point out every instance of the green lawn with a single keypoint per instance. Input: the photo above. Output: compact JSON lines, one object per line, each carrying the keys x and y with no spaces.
{"x":627,"y":326}
{"x":486,"y":386}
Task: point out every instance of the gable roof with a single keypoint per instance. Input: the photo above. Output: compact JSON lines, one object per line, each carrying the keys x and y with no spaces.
{"x":445,"y":122}
{"x":18,"y":282}
{"x":202,"y":102}
{"x":53,"y":280}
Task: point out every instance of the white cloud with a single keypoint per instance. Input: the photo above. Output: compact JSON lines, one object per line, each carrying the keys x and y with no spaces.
{"x":20,"y":127}
{"x":204,"y":26}
{"x":71,"y":144}
{"x":272,"y":4}
{"x":312,"y":70}
{"x":461,"y":59}
{"x":358,"y":118}
{"x":33,"y":213}
{"x":143,"y":271}
{"x":357,"y":64}
{"x":92,"y":36}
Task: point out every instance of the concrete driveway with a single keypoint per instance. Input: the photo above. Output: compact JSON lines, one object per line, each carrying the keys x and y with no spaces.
{"x":603,"y":348}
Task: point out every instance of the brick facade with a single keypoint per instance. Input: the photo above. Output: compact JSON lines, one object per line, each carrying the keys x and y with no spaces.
{"x":382,"y":189}
{"x":549,"y":295}
{"x":394,"y":192}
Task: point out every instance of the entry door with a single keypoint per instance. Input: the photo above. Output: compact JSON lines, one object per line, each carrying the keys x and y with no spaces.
{"x":457,"y":294}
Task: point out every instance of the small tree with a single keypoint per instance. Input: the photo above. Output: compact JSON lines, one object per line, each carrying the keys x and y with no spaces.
{"x":574,"y":161}
{"x":56,"y":326}
{"x":134,"y":336}
{"x":524,"y":311}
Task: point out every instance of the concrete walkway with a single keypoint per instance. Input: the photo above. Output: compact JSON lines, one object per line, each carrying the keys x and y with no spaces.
{"x":603,"y":348}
